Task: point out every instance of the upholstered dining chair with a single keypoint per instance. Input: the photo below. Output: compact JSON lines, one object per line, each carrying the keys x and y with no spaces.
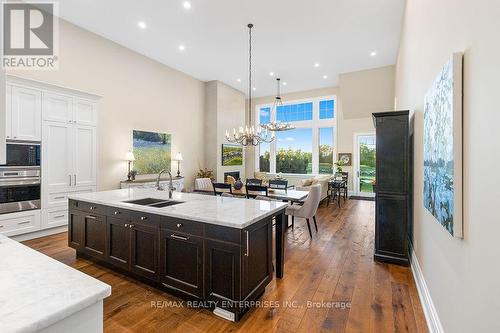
{"x":308,"y":209}
{"x":278,"y":184}
{"x":203,"y":184}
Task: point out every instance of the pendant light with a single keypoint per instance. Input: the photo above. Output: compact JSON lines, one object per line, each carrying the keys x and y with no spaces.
{"x":278,"y":126}
{"x":248,"y":135}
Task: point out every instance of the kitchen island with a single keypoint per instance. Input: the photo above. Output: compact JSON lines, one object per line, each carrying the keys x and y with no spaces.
{"x":215,"y":250}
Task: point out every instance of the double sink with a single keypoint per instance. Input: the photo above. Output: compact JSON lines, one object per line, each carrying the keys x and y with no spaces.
{"x":153,"y":202}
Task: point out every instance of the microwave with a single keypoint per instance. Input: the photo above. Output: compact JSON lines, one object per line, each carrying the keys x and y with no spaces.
{"x":25,"y":154}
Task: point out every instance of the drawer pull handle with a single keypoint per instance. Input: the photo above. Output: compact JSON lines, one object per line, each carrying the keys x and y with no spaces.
{"x":131,"y":225}
{"x":179,"y":237}
{"x":144,"y":218}
{"x":179,"y":225}
{"x":248,"y":244}
{"x":24,"y":222}
{"x":126,"y":225}
{"x":92,"y":207}
{"x":91,"y":217}
{"x":59,"y":216}
{"x":56,"y":198}
{"x":116,"y":213}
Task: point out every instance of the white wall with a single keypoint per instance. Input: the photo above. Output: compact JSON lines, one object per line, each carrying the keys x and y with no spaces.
{"x":137,"y":93}
{"x":463,"y":276}
{"x":224,"y":110}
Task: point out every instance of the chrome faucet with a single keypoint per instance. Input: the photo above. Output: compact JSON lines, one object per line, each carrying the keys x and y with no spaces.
{"x":170,"y":185}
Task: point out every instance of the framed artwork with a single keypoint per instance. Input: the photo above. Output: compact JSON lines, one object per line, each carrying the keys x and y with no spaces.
{"x":152,"y":152}
{"x":232,"y":155}
{"x":345,"y":158}
{"x":443,"y":147}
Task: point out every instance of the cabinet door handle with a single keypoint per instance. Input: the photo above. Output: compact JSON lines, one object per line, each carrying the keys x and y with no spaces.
{"x":179,"y":237}
{"x":69,"y":180}
{"x":24,"y":222}
{"x":143,"y":218}
{"x":117,"y":213}
{"x":179,"y":225}
{"x":58,"y":216}
{"x":92,"y":207}
{"x":56,"y":198}
{"x":126,"y":225}
{"x":131,"y":225}
{"x":91,"y":217}
{"x":247,"y":248}
{"x":75,"y":180}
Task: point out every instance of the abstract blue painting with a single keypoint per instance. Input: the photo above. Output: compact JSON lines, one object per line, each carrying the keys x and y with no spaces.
{"x":443,"y":147}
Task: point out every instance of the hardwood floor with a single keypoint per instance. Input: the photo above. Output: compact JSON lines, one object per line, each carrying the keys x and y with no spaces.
{"x":331,"y":284}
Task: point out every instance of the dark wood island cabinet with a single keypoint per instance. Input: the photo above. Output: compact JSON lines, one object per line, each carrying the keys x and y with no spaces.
{"x":222,"y":266}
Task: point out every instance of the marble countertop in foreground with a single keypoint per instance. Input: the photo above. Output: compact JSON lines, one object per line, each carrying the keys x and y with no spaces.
{"x":37,"y":291}
{"x":231,"y":212}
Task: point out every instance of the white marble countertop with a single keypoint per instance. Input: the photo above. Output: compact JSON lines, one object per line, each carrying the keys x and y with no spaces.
{"x":37,"y":291}
{"x":231,"y":212}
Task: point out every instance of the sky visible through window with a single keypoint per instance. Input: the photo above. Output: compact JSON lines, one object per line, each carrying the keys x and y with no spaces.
{"x":299,"y":138}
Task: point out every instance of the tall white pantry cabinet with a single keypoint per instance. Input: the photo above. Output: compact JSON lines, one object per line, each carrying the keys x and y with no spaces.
{"x":65,"y":121}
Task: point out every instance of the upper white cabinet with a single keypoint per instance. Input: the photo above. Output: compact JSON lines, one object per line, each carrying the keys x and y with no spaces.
{"x":68,"y":109}
{"x":85,"y":112}
{"x":25,"y":121}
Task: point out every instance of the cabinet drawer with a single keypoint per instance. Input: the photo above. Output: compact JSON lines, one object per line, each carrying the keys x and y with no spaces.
{"x":54,"y":217}
{"x":20,"y":223}
{"x":184,"y":226}
{"x":144,"y":218}
{"x":118,"y":213}
{"x":221,"y":233}
{"x":88,"y":207}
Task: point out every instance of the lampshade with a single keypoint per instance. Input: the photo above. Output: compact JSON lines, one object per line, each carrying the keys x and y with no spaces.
{"x":129,"y":156}
{"x":178,"y":157}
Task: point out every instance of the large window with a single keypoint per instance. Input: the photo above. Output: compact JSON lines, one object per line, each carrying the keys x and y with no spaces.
{"x":307,"y":149}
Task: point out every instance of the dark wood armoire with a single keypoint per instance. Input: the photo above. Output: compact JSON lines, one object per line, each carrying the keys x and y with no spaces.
{"x":394,"y":186}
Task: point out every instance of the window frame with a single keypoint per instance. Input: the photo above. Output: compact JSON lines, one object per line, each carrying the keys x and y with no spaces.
{"x":315,"y":124}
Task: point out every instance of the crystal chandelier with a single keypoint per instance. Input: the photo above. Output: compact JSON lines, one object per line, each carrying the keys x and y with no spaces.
{"x":249,"y":136}
{"x":278,"y":126}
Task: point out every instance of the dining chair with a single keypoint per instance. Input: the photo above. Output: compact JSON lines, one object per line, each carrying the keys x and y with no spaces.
{"x":308,"y":209}
{"x":203,"y":184}
{"x":278,"y":184}
{"x":220,"y":188}
{"x":254,"y":181}
{"x":344,"y":189}
{"x":254,"y":191}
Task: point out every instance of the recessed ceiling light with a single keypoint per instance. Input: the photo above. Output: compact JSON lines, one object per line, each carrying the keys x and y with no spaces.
{"x":254,"y":88}
{"x":186,"y":5}
{"x":284,"y":83}
{"x":182,"y":47}
{"x":238,"y":80}
{"x":142,"y":24}
{"x":325,"y":76}
{"x":316,"y":65}
{"x":271,"y":73}
{"x":373,"y":53}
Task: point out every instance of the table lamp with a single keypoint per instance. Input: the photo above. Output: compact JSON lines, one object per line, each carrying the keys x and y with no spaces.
{"x":129,"y":157}
{"x":178,"y":158}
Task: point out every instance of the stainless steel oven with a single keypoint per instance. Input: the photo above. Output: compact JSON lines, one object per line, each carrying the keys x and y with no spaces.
{"x":23,"y":154}
{"x":19,"y":189}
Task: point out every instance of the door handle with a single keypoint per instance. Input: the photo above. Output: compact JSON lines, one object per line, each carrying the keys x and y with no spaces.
{"x":247,"y":248}
{"x":56,"y":198}
{"x":75,"y":180}
{"x":179,"y":237}
{"x":58,"y":216}
{"x":69,"y":180}
{"x":131,"y":225}
{"x":24,"y":222}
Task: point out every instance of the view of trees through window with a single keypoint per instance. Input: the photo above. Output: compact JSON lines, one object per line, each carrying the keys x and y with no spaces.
{"x":366,"y":163}
{"x":292,"y":151}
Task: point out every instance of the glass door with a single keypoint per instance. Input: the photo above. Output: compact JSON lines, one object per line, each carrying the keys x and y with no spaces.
{"x":364,"y":164}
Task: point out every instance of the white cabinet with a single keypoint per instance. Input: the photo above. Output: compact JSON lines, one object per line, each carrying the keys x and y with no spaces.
{"x":20,"y":223}
{"x":68,"y":161}
{"x":69,"y":109}
{"x":25,"y":114}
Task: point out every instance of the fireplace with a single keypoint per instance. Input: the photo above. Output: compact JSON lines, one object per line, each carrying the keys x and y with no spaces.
{"x":234,"y":174}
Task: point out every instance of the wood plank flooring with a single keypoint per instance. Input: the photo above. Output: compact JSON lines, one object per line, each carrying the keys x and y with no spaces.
{"x":331,"y":284}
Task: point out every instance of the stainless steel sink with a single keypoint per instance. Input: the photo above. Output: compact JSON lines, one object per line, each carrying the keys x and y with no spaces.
{"x":153,"y":202}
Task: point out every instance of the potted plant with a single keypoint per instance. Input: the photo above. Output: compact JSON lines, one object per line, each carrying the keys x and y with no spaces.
{"x":338,"y":166}
{"x":206,"y":173}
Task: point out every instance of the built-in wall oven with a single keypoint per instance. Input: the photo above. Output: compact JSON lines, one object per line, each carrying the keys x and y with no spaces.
{"x":19,"y":189}
{"x":23,"y":154}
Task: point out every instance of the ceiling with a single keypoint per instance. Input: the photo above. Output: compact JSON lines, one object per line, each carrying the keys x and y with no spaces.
{"x":290,"y":36}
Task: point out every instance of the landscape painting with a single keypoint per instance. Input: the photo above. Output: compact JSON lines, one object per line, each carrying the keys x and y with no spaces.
{"x":232,"y":155}
{"x":152,"y":152}
{"x":443,"y":147}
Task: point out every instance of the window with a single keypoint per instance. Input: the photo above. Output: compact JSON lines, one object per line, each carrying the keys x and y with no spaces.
{"x":294,"y":151}
{"x":307,"y":149}
{"x":326,"y":109}
{"x":326,"y":150}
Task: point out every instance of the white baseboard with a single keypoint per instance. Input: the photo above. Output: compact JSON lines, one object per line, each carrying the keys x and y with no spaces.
{"x":40,"y":233}
{"x":431,"y":316}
